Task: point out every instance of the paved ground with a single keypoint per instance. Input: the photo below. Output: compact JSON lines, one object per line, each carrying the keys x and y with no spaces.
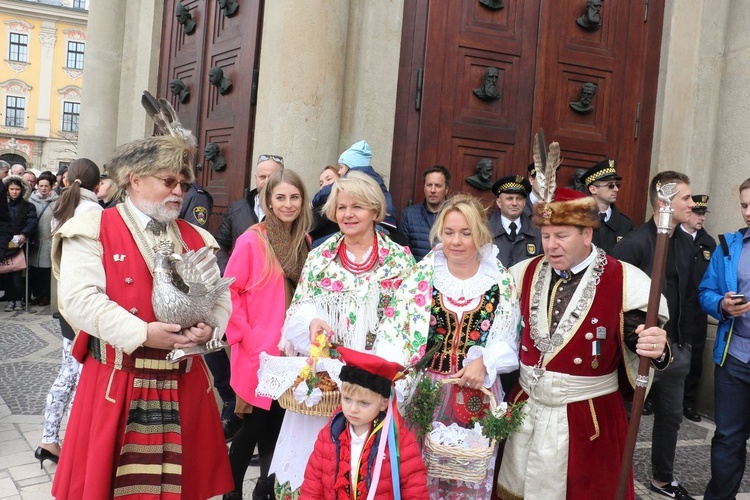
{"x":30,"y":357}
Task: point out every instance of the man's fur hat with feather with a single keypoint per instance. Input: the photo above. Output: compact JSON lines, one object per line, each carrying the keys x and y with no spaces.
{"x":559,"y":206}
{"x":173,"y":151}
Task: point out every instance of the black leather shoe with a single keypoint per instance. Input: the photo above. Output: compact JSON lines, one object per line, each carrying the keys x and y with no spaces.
{"x":691,"y":415}
{"x":56,"y":315}
{"x":255,"y":461}
{"x":648,"y":408}
{"x":42,"y":454}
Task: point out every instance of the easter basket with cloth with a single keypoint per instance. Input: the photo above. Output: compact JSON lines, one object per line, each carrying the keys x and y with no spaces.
{"x":458,"y":453}
{"x":309,"y":386}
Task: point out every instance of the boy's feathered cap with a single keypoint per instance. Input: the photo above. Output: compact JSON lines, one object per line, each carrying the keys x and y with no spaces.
{"x":368,"y":371}
{"x":563,"y":206}
{"x":172,"y":149}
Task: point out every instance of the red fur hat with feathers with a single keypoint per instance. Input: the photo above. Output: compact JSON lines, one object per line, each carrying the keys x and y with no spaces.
{"x":563,"y":206}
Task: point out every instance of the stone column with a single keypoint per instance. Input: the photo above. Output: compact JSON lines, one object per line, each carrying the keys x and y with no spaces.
{"x":729,"y":164}
{"x":97,"y":132}
{"x":122,"y":58}
{"x":372,"y":56}
{"x":47,"y":38}
{"x":301,"y":84}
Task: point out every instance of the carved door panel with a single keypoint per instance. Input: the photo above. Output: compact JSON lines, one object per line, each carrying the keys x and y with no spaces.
{"x":232,"y":44}
{"x":544,"y":58}
{"x":612,"y":60}
{"x":463,"y":121}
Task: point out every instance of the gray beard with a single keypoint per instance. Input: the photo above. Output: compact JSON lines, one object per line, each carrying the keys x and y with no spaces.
{"x":159,"y":212}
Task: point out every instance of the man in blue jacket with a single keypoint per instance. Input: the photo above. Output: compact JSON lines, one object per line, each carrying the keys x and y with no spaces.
{"x":417,"y":220}
{"x":723,"y":294}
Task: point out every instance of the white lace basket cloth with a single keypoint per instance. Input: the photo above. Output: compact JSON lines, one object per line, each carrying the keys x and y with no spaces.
{"x":276,"y":377}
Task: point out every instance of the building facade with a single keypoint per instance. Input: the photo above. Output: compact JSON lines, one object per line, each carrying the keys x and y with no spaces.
{"x":326,"y":73}
{"x":41,"y":78}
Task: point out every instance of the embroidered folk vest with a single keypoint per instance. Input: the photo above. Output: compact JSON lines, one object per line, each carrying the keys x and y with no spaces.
{"x":457,"y":337}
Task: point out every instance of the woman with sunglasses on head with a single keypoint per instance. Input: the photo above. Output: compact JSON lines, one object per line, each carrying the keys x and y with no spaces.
{"x":78,"y":197}
{"x":266,"y":263}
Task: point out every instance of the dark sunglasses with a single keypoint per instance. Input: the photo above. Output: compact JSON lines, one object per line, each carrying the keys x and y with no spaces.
{"x":610,"y":185}
{"x":171,"y":182}
{"x":277,"y":159}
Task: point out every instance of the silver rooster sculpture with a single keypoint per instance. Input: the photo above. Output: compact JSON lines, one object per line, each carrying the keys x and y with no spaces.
{"x":186,"y":287}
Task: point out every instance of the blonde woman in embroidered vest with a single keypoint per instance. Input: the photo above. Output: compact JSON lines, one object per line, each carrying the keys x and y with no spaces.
{"x":266,"y":263}
{"x":462,"y":299}
{"x":346,"y":284}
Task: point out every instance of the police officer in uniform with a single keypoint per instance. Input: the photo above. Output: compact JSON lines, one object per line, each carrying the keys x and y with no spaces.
{"x":704,"y":246}
{"x":602,"y":182}
{"x":515,"y":236}
{"x":197,"y":206}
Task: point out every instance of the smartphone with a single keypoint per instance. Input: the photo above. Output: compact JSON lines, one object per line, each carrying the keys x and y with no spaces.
{"x":739,"y":296}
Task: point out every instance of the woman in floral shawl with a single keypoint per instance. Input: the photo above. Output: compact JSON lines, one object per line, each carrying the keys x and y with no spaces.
{"x":465,"y":303}
{"x":345,"y":286}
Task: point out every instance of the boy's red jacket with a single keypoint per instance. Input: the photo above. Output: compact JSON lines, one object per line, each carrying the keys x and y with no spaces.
{"x":322,"y":468}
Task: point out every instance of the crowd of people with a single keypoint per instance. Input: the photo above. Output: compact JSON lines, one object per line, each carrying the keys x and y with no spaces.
{"x":542,"y":300}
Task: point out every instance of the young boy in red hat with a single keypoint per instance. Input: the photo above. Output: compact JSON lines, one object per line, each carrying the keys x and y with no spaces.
{"x":346,"y":462}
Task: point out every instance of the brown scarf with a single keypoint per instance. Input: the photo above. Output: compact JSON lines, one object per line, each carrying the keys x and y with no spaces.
{"x":280,"y":241}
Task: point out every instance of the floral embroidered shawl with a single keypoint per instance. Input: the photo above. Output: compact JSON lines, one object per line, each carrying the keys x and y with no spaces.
{"x":354,"y":304}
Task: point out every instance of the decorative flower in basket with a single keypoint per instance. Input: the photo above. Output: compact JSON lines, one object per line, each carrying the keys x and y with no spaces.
{"x":313,"y":392}
{"x":310,"y":384}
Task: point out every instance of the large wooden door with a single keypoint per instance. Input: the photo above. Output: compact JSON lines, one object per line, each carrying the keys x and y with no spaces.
{"x":232,"y":44}
{"x":543,"y":57}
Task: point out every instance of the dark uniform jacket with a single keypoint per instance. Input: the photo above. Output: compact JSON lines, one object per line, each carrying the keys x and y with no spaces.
{"x":197,"y":206}
{"x":637,"y":248}
{"x":528,"y":242}
{"x":240,"y":216}
{"x":612,"y":231}
{"x":416,"y":223}
{"x":704,"y":246}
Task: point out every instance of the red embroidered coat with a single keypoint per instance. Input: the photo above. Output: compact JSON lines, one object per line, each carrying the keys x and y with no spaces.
{"x":191,"y":456}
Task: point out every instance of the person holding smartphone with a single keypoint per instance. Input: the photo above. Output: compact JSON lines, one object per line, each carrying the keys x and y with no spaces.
{"x":723,"y":294}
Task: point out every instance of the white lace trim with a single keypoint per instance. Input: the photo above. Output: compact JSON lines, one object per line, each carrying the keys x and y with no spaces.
{"x":455,"y":288}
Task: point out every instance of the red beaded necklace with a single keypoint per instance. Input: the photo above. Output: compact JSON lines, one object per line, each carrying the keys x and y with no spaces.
{"x":359,"y":268}
{"x":459,"y":302}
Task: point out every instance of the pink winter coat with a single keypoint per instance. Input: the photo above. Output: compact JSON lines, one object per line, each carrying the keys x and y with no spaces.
{"x":258,"y":312}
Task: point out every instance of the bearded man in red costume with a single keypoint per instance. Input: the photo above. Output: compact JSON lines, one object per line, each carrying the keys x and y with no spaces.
{"x":139,"y":428}
{"x":582,"y":328}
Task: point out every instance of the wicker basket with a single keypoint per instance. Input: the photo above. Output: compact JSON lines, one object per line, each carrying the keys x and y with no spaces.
{"x":464,"y":464}
{"x":328,"y":404}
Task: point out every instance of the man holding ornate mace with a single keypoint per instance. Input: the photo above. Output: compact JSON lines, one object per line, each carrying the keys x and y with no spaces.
{"x":583,"y":315}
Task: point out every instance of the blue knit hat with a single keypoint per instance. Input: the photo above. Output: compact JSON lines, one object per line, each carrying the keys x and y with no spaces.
{"x":358,"y":155}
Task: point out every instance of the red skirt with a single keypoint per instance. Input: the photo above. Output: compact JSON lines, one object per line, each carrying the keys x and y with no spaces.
{"x":94,"y":436}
